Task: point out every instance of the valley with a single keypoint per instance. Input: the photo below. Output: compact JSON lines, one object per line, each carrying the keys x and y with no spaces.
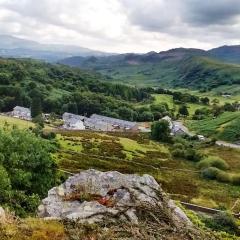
{"x":183,"y":105}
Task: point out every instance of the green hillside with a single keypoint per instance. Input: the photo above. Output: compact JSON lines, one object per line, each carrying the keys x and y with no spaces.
{"x":173,"y":68}
{"x":58,"y":88}
{"x":225,"y":127}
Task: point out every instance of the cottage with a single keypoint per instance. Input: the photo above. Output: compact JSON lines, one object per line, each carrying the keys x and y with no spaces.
{"x":97,"y":125}
{"x":180,"y":129}
{"x":73,"y":121}
{"x":22,"y":113}
{"x":117,"y":124}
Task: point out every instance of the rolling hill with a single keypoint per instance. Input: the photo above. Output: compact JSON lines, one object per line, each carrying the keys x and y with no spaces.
{"x":179,"y":67}
{"x":21,"y":48}
{"x":58,"y":88}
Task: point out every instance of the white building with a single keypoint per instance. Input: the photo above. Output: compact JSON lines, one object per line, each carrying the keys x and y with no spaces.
{"x":22,"y":113}
{"x":73,"y":121}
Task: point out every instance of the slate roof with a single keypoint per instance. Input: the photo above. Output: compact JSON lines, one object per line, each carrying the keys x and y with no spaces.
{"x":96,"y":124}
{"x":114,"y":121}
{"x":22,"y":109}
{"x":72,"y":117}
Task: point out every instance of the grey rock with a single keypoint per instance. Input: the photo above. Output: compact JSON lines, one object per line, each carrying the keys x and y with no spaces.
{"x":2,"y":215}
{"x":93,"y":196}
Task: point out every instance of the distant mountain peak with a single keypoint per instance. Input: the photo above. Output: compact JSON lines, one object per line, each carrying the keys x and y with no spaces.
{"x":11,"y":46}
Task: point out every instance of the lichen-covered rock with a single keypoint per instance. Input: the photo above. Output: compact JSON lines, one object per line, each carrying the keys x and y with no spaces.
{"x":93,"y":196}
{"x":2,"y":215}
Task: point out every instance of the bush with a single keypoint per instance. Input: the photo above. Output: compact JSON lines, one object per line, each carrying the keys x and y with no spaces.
{"x":179,"y":153}
{"x":178,"y":146}
{"x":210,"y":173}
{"x":224,"y":177}
{"x":27,"y":169}
{"x":160,"y":131}
{"x":213,"y":162}
{"x":236,"y":179}
{"x":193,"y":155}
{"x":223,"y":222}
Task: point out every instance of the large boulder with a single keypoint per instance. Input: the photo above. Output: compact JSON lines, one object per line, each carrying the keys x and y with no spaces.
{"x":93,"y":196}
{"x":2,"y":215}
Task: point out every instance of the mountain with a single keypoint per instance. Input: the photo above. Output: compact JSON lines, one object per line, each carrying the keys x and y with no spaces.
{"x":21,"y":48}
{"x":229,"y":54}
{"x":180,"y":67}
{"x":131,"y":58}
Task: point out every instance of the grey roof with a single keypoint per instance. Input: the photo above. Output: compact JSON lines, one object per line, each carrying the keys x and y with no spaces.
{"x":22,"y":109}
{"x":96,"y":124}
{"x":70,"y":116}
{"x":114,"y":121}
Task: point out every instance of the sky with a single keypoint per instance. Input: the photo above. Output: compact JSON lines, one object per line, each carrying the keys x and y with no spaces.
{"x":121,"y":26}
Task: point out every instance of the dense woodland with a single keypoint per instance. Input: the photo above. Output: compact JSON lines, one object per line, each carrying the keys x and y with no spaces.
{"x":56,"y":88}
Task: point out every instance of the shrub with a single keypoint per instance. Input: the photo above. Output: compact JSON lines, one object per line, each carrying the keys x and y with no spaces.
{"x":210,"y":173}
{"x":222,"y":222}
{"x":179,"y":153}
{"x":28,"y":169}
{"x":160,"y":131}
{"x":178,"y":146}
{"x":236,"y":179}
{"x":213,"y":162}
{"x":193,"y":155}
{"x":224,"y":177}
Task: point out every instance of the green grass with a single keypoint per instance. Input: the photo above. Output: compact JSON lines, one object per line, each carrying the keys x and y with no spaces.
{"x":164,"y":98}
{"x":218,"y":127}
{"x":22,"y":124}
{"x":134,"y":153}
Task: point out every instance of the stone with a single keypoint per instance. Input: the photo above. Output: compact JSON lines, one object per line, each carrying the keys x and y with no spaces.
{"x":2,"y":215}
{"x":93,"y":196}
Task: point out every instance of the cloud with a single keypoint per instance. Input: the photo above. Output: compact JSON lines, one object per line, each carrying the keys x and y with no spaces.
{"x":124,"y":25}
{"x":214,"y":12}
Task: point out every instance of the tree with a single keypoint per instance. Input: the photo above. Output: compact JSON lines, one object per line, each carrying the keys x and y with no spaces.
{"x":126,"y":113}
{"x":39,"y":120}
{"x":205,"y":100}
{"x":36,"y":106}
{"x":183,"y":110}
{"x":161,"y":131}
{"x":146,"y":117}
{"x":27,"y":169}
{"x":215,"y":101}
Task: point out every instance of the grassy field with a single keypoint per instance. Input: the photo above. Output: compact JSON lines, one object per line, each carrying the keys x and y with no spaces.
{"x":164,"y":98}
{"x":134,"y":153}
{"x":225,"y":126}
{"x":22,"y":124}
{"x":216,"y":93}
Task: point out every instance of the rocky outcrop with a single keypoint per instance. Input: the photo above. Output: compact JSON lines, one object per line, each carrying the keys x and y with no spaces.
{"x":2,"y":215}
{"x":93,"y":196}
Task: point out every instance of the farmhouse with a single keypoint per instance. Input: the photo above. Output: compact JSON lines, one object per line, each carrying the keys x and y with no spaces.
{"x":117,"y":124}
{"x":22,"y":113}
{"x":97,"y":125}
{"x":73,"y":121}
{"x":180,"y":129}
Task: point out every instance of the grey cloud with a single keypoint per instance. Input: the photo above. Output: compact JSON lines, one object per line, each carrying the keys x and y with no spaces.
{"x":164,"y":15}
{"x":213,"y":12}
{"x":126,"y":23}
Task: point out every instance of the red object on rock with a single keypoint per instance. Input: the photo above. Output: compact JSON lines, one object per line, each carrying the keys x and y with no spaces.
{"x":103,"y":201}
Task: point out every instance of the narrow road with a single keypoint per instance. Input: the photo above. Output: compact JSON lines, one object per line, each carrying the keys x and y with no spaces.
{"x":226,"y":144}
